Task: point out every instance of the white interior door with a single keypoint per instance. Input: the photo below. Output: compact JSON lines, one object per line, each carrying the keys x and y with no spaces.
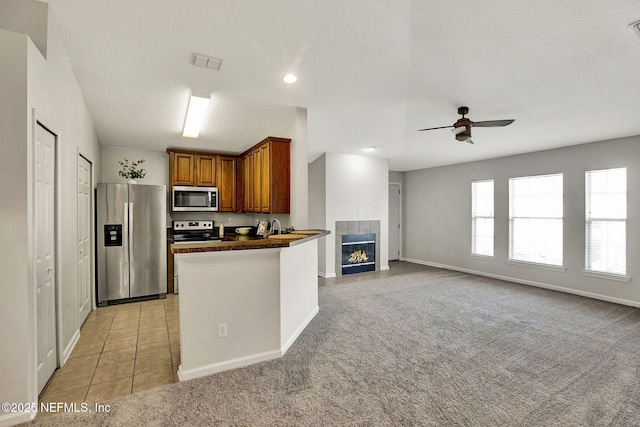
{"x":394,"y":222}
{"x":45,"y":148}
{"x":84,"y":238}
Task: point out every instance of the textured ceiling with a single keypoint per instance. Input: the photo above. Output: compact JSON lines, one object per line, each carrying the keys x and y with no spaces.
{"x":369,"y":72}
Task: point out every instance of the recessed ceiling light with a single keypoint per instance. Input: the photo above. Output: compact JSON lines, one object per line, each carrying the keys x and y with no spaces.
{"x":370,"y":148}
{"x":290,"y":78}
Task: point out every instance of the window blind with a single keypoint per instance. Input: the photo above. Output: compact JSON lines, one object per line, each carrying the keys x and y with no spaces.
{"x":482,"y":221}
{"x":606,"y":220}
{"x":536,"y":219}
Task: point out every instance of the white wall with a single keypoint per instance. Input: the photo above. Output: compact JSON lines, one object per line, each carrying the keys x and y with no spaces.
{"x":299,"y":172}
{"x":355,"y":188}
{"x":156,"y":164}
{"x":55,"y":95}
{"x":49,"y":88}
{"x":318,"y":208}
{"x":15,"y":357}
{"x":437,"y":218}
{"x":395,"y":176}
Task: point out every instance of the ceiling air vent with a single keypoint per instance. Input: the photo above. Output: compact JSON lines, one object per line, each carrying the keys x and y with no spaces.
{"x":206,"y":61}
{"x":635,"y":27}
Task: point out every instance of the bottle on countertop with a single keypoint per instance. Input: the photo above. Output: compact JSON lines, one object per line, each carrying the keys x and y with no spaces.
{"x":221,"y":230}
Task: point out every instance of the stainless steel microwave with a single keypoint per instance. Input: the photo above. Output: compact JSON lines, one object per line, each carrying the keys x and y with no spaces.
{"x":194,"y":199}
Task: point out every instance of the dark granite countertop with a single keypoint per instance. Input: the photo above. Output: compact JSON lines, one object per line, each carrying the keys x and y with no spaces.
{"x":236,"y":242}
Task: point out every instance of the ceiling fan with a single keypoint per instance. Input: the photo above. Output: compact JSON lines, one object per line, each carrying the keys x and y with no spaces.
{"x":462,"y":128}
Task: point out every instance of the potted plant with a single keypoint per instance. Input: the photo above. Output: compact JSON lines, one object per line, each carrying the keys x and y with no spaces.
{"x":131,"y":171}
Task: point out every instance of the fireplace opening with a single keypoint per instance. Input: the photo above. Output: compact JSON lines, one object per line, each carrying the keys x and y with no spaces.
{"x":358,"y":253}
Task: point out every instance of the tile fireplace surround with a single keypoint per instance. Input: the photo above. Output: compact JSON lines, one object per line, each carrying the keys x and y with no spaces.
{"x":355,"y":227}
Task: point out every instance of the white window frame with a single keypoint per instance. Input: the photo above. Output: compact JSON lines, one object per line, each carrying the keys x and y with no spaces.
{"x":477,"y":216}
{"x":612,"y":210}
{"x":545,"y":210}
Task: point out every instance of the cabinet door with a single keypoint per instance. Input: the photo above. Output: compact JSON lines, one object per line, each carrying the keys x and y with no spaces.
{"x":247,"y":182}
{"x":226,"y":179}
{"x":265,"y":179}
{"x":182,"y":167}
{"x":279,"y":178}
{"x":257,"y":168}
{"x":205,"y":170}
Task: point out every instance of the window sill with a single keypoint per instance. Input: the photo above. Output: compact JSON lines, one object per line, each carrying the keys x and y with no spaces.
{"x":607,"y":276}
{"x":483,"y":257}
{"x":537,"y":265}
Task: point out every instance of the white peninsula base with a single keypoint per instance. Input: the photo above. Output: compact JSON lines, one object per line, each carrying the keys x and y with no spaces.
{"x":261,"y":298}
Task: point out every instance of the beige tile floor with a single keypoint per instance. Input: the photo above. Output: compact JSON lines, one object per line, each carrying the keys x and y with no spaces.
{"x":122,"y":349}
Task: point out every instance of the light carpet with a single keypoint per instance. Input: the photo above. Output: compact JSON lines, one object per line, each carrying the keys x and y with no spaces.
{"x":421,"y":346}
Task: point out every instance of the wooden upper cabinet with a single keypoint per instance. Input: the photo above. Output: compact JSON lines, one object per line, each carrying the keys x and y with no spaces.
{"x":247,"y":182}
{"x":226,"y":179}
{"x":278,"y":174}
{"x":267,"y":175}
{"x":265,"y":179}
{"x":257,"y":166}
{"x":205,"y":171}
{"x":181,"y":166}
{"x":258,"y":180}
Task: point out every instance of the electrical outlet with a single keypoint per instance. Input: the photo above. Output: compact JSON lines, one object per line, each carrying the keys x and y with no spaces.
{"x":222,"y":330}
{"x":230,"y":220}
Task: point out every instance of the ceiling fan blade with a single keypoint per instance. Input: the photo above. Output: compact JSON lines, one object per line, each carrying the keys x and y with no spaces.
{"x":441,"y":127}
{"x":492,"y":123}
{"x":469,"y":141}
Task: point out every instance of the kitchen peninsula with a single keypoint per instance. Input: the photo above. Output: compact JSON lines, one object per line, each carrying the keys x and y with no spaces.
{"x":244,"y":301}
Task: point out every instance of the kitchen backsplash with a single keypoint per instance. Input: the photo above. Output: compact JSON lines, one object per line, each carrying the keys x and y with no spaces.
{"x":228,"y":218}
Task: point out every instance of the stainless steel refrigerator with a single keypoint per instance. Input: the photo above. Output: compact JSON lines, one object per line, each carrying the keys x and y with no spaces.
{"x":132,"y":245}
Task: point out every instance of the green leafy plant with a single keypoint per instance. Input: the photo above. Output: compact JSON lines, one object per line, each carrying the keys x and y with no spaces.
{"x":131,"y":170}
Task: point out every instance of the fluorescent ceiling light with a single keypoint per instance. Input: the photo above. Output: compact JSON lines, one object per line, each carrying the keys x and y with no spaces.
{"x":290,"y":78}
{"x":459,"y":130}
{"x":195,"y":114}
{"x":370,"y":148}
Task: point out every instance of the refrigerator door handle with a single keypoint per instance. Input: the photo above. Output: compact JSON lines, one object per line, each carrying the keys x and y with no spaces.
{"x":125,"y":232}
{"x":130,"y":215}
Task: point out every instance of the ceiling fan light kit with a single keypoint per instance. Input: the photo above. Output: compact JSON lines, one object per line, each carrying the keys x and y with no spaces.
{"x":462,"y":128}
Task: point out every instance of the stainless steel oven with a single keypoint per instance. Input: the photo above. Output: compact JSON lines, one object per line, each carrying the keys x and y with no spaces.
{"x":190,"y":232}
{"x":194,"y":199}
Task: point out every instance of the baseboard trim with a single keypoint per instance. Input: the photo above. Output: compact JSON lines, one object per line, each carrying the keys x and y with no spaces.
{"x":298,"y":331}
{"x":529,"y":283}
{"x":69,"y":348}
{"x":326,"y":275}
{"x":214,"y":368}
{"x":12,"y":419}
